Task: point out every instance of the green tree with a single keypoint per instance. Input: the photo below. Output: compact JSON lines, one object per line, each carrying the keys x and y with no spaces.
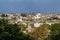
{"x":55,"y":32}
{"x":4,"y":15}
{"x":3,"y":22}
{"x":11,"y":32}
{"x":23,"y":27}
{"x":55,"y":29}
{"x":24,"y":15}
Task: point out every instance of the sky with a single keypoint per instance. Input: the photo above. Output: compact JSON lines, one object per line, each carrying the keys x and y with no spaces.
{"x":30,"y":6}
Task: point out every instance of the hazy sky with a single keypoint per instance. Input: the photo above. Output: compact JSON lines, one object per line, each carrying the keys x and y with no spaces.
{"x":29,"y":6}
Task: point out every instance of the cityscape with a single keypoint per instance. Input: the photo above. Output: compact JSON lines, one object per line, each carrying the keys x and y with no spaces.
{"x":31,"y":25}
{"x":29,"y":19}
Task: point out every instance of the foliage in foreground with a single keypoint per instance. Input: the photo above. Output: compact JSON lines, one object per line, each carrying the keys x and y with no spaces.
{"x":11,"y":31}
{"x":55,"y":32}
{"x":41,"y":32}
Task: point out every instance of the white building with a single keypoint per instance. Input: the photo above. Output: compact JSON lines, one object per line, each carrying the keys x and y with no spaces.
{"x":37,"y":16}
{"x":37,"y":24}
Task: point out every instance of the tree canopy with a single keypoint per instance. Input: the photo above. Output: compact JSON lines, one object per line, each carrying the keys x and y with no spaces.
{"x":11,"y":31}
{"x":55,"y":32}
{"x":41,"y":32}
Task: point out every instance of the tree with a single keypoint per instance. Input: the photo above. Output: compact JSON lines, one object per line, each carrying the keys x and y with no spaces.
{"x":24,"y":15}
{"x":23,"y":27}
{"x":55,"y":29}
{"x":3,"y":22}
{"x":41,"y":32}
{"x":55,"y":32}
{"x":12,"y":32}
{"x":4,"y":15}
